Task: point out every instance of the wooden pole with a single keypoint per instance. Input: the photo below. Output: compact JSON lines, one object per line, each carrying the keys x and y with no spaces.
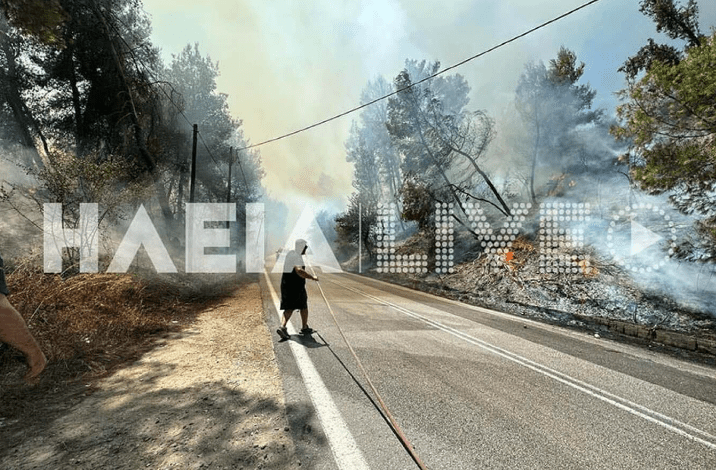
{"x":228,"y":185}
{"x":360,"y":239}
{"x":193,"y":164}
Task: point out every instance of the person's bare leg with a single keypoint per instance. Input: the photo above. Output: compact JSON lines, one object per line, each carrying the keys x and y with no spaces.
{"x":14,"y":332}
{"x":286,"y":317}
{"x":304,"y":318}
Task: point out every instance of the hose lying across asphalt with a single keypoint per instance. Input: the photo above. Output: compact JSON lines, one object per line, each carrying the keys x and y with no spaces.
{"x":393,"y":423}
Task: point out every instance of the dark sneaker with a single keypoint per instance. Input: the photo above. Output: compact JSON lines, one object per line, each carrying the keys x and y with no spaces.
{"x":307,"y":331}
{"x":283,"y":333}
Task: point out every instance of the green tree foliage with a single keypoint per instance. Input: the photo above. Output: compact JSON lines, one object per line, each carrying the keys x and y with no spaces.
{"x":377,"y":163}
{"x":677,"y":23}
{"x":84,"y":91}
{"x":347,"y":227}
{"x":39,"y":18}
{"x":420,"y":148}
{"x":100,"y":80}
{"x":554,"y":106}
{"x":360,"y":150}
{"x":194,"y":100}
{"x":418,"y":202}
{"x":88,"y":92}
{"x":95,"y":95}
{"x":91,"y":93}
{"x":193,"y":78}
{"x":376,"y":167}
{"x":669,"y":117}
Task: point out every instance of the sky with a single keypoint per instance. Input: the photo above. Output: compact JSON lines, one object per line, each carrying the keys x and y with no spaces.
{"x":286,"y":64}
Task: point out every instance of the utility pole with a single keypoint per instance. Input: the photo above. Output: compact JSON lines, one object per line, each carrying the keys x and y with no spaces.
{"x":228,"y":185}
{"x":238,"y":160}
{"x":360,"y":238}
{"x":193,"y":164}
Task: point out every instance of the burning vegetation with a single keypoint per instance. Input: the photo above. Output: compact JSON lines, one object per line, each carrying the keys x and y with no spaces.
{"x":600,"y":297}
{"x":629,"y":248}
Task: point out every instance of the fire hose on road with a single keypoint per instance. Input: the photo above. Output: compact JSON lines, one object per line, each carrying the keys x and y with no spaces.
{"x":393,"y":423}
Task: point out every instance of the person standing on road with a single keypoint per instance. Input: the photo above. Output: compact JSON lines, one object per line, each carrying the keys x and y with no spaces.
{"x":293,"y":288}
{"x":13,"y":331}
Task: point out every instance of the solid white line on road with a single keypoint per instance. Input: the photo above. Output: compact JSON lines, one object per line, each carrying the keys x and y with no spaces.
{"x":344,"y":447}
{"x":674,"y":425}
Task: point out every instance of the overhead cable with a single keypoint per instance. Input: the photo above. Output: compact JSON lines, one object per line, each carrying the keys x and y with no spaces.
{"x":357,"y":108}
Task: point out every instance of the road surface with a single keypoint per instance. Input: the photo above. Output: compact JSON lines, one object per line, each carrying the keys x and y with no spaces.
{"x":473,"y":388}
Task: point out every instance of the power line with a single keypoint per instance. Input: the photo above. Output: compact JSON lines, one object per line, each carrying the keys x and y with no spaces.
{"x":241,"y":167}
{"x":357,"y":108}
{"x":203,"y":142}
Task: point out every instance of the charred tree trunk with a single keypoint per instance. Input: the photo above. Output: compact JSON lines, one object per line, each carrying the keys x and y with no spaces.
{"x":447,"y":182}
{"x":535,"y":154}
{"x":485,"y":177}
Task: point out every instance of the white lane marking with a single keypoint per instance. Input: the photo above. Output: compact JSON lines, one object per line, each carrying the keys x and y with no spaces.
{"x":344,"y":447}
{"x":692,"y":368}
{"x":683,"y":429}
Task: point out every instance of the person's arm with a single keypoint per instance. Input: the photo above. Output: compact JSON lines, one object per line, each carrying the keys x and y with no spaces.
{"x":304,"y":274}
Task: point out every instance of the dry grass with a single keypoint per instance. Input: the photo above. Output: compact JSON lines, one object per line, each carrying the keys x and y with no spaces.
{"x":88,"y":323}
{"x":522,"y":244}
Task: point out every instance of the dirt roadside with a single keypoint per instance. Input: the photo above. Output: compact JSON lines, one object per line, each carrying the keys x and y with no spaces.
{"x":209,"y":396}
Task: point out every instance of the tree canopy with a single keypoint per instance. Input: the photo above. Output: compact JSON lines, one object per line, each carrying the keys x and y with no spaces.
{"x":668,"y":116}
{"x":554,"y":105}
{"x":39,"y":18}
{"x":84,"y":95}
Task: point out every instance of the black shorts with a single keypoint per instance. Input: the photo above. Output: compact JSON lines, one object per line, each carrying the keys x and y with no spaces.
{"x":3,"y":284}
{"x":293,"y":295}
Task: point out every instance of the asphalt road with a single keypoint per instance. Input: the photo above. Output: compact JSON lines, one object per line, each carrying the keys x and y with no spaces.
{"x":472,"y":388}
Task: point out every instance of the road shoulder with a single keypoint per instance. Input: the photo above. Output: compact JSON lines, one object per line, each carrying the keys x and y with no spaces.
{"x":208,"y":396}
